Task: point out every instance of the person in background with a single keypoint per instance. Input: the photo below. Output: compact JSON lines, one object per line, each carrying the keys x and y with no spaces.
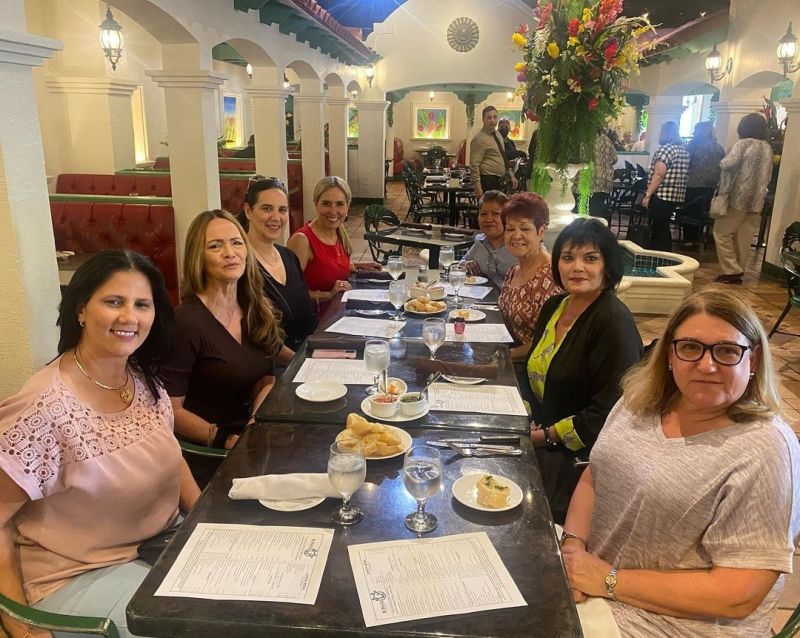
{"x":221,"y":366}
{"x":603,"y":180}
{"x":504,"y":128}
{"x":489,"y":255}
{"x":89,"y":465}
{"x":666,"y":187}
{"x":323,"y":245}
{"x":705,"y":154}
{"x":746,"y":171}
{"x":688,"y":515}
{"x":266,"y":211}
{"x":627,"y":140}
{"x":249,"y":150}
{"x":640,"y":146}
{"x":487,"y":161}
{"x":529,"y":283}
{"x":583,"y":343}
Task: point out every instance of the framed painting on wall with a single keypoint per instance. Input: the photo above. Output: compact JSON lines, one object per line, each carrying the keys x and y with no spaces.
{"x":352,"y":122}
{"x":232,"y":120}
{"x":430,"y":122}
{"x":517,"y":120}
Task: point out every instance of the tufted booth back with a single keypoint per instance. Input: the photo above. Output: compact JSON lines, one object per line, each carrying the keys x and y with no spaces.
{"x":88,"y":227}
{"x":398,"y":156}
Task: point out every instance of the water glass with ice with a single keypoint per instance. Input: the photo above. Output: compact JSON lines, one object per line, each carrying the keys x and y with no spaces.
{"x":395,"y":267}
{"x":422,"y":476}
{"x":376,"y":358}
{"x":398,"y":293}
{"x":457,"y":278}
{"x":433,"y":334}
{"x":347,"y":469}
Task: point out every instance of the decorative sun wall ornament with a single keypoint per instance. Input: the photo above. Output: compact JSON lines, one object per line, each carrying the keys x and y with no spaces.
{"x":462,"y":34}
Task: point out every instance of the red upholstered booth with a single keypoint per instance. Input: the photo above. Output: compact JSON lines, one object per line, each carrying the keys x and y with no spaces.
{"x":398,"y":156}
{"x":88,"y":227}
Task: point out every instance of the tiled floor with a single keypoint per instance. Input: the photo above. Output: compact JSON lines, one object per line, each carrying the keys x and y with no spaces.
{"x":767,"y":297}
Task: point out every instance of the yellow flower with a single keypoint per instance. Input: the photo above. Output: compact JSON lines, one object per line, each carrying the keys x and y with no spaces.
{"x":520,"y":40}
{"x":553,"y":50}
{"x":572,"y":41}
{"x":519,"y":67}
{"x":581,"y":51}
{"x":587,"y":15}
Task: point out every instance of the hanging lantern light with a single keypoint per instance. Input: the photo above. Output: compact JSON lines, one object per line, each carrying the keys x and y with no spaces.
{"x":354,"y":93}
{"x":369,"y":73}
{"x":431,"y":95}
{"x":509,"y":97}
{"x":787,"y":50}
{"x":714,"y":65}
{"x":286,"y":83}
{"x":249,"y":69}
{"x":111,"y":39}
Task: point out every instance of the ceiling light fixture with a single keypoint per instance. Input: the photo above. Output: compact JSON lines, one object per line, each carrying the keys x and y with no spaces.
{"x":787,"y":51}
{"x":369,"y":72}
{"x":714,"y":64}
{"x":111,"y":39}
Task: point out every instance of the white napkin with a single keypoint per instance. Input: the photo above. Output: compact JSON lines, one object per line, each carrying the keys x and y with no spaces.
{"x":282,"y":487}
{"x":597,"y":620}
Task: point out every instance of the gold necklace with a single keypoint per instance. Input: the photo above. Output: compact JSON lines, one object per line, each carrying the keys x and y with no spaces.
{"x":277,"y":258}
{"x":124,"y":393}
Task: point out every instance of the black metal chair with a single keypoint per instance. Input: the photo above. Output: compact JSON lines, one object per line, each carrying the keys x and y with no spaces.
{"x":624,"y":202}
{"x":378,"y":218}
{"x":693,"y":214}
{"x":790,"y":259}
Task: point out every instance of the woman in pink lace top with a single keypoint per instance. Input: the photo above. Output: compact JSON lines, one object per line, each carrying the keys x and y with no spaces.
{"x":89,"y":465}
{"x":530,"y":283}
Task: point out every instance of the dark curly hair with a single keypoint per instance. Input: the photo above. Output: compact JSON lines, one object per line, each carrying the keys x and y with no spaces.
{"x":592,"y":232}
{"x":753,"y":125}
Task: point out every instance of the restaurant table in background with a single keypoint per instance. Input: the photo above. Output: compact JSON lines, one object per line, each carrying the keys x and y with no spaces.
{"x":433,"y":241}
{"x":453,"y":187}
{"x":524,"y":538}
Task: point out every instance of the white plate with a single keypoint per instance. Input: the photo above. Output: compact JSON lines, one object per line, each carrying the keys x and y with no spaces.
{"x":371,"y":312}
{"x":294,"y":505}
{"x":321,"y":391}
{"x":457,"y":237}
{"x":397,"y":418}
{"x":465,"y":491}
{"x":463,"y":380}
{"x":405,"y":442}
{"x":417,"y":312}
{"x":474,"y":315}
{"x":475,"y":280}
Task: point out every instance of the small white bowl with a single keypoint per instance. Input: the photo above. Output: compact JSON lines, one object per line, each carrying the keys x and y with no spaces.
{"x":413,"y":408}
{"x":381,"y":409}
{"x":398,"y":385}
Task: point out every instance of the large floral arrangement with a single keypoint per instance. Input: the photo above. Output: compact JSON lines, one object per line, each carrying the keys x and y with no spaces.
{"x":576,"y":66}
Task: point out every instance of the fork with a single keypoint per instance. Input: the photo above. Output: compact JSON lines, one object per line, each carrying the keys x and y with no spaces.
{"x":482,"y":451}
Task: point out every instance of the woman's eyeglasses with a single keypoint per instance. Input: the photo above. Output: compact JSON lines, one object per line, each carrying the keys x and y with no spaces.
{"x":725,"y":354}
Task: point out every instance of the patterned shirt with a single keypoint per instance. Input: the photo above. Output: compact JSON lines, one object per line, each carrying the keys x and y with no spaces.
{"x":492,"y":262}
{"x":676,"y":159}
{"x":605,"y":157}
{"x":522,"y":304}
{"x":704,"y":164}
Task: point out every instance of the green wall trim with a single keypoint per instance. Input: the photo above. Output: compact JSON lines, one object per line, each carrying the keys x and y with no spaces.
{"x":97,"y":199}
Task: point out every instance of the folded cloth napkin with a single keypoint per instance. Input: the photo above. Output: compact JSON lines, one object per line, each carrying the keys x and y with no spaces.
{"x":335,"y":343}
{"x":365,"y":304}
{"x":452,"y":230}
{"x":485,"y":371}
{"x":418,"y":226}
{"x":373,"y":274}
{"x":282,"y":487}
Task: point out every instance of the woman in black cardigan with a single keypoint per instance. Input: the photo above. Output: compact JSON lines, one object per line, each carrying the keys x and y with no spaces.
{"x":583,"y":343}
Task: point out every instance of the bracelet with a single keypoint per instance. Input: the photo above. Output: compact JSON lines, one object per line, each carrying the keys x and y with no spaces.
{"x":565,"y":535}
{"x":549,"y":443}
{"x":212,"y":434}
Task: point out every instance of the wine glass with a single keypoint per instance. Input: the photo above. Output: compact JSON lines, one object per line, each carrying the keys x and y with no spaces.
{"x":347,"y":469}
{"x":395,"y":267}
{"x":433,"y":333}
{"x":446,"y":257}
{"x":457,"y":277}
{"x":376,"y":358}
{"x":398,"y":293}
{"x":422,"y":476}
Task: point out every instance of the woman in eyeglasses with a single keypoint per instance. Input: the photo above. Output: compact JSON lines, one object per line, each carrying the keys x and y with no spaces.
{"x":689,"y":513}
{"x":266,"y":210}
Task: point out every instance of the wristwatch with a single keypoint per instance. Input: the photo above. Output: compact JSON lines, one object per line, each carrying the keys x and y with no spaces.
{"x":549,"y":443}
{"x":611,"y":583}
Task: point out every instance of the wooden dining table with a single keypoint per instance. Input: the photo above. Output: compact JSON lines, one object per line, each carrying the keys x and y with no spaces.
{"x":293,"y":436}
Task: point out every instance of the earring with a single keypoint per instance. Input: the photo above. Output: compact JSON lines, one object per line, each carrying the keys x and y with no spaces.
{"x":669,"y":367}
{"x":752,"y":374}
{"x":81,"y":323}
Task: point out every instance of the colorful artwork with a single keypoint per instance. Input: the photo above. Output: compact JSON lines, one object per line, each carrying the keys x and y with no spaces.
{"x":431,"y":122}
{"x":352,"y":122}
{"x":517,"y":122}
{"x":231,"y":121}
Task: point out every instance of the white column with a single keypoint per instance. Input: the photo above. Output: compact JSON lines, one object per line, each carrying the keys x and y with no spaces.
{"x":729,"y":114}
{"x":313,"y":145}
{"x":28,"y":271}
{"x":787,"y":194}
{"x":371,"y":144}
{"x":337,"y":136}
{"x":659,"y":111}
{"x":192,"y":112}
{"x":95,"y":123}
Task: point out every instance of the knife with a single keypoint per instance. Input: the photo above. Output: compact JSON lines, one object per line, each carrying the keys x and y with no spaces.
{"x":477,"y":446}
{"x":485,"y":438}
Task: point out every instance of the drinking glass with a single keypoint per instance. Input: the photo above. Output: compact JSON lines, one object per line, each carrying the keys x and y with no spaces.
{"x":376,"y":358}
{"x":446,"y":257}
{"x":395,"y":267}
{"x":347,"y":469}
{"x":433,"y":333}
{"x":457,"y":277}
{"x":422,"y":476}
{"x":398,"y":293}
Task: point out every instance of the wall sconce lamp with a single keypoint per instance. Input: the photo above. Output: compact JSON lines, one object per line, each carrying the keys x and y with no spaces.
{"x":431,"y":95}
{"x":369,"y":72}
{"x":714,"y":64}
{"x":354,"y":93}
{"x":509,"y":97}
{"x":286,"y":84}
{"x":111,"y":39}
{"x":787,"y":51}
{"x":249,"y":68}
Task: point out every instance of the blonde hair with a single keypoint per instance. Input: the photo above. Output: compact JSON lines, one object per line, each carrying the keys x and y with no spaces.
{"x":262,"y":319}
{"x":648,"y":387}
{"x":325,"y":184}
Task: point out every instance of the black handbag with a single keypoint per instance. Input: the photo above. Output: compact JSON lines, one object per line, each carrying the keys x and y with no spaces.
{"x":639,"y":234}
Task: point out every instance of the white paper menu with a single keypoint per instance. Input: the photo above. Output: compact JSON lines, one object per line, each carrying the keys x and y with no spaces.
{"x":250,"y":562}
{"x":473,"y":292}
{"x":483,"y":399}
{"x":366,"y":295}
{"x":406,"y":580}
{"x":479,"y":333}
{"x":347,"y":371}
{"x":367,"y":327}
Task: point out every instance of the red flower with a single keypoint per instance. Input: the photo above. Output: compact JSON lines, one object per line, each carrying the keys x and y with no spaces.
{"x":593,"y":103}
{"x":543,"y":14}
{"x":523,"y":29}
{"x":611,"y":50}
{"x":531,"y":116}
{"x":574,"y":25}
